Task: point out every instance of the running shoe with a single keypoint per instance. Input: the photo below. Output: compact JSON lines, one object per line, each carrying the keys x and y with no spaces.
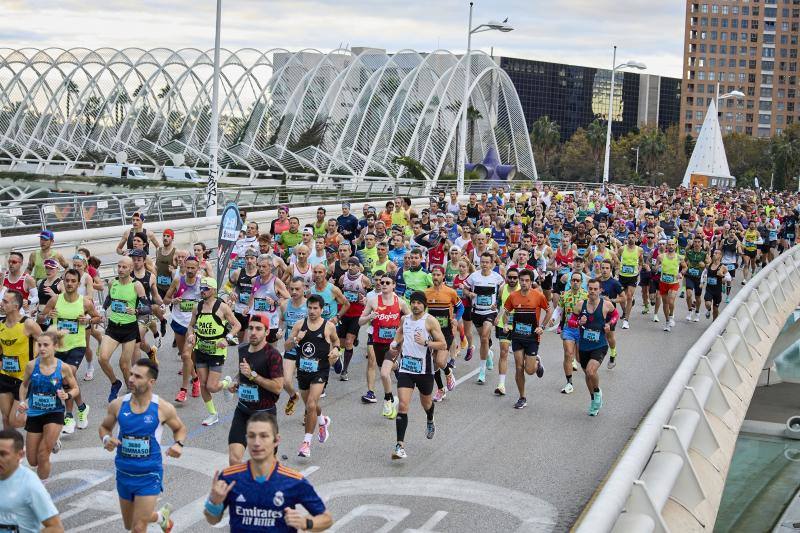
{"x":612,"y":362}
{"x":338,"y":366}
{"x":599,"y":397}
{"x":387,"y":408}
{"x":708,"y":314}
{"x":481,"y":377}
{"x":399,"y":452}
{"x":690,"y":316}
{"x":290,"y":405}
{"x":430,"y":429}
{"x":451,"y":363}
{"x":646,"y":310}
{"x":324,"y":393}
{"x":69,"y":426}
{"x":166,"y":524}
{"x":574,"y":365}
{"x":655,"y":318}
{"x":345,"y":376}
{"x":210,"y":420}
{"x":696,"y":317}
{"x":158,"y":341}
{"x":395,"y":405}
{"x":727,"y":299}
{"x":439,"y":395}
{"x":539,"y":367}
{"x":468,"y":355}
{"x":568,"y":389}
{"x":490,"y":360}
{"x":195,"y":388}
{"x":181,"y":396}
{"x":451,"y":380}
{"x":115,"y":387}
{"x":500,"y":390}
{"x":672,"y":322}
{"x":667,"y":327}
{"x":89,"y":375}
{"x":83,"y":418}
{"x":324,"y":430}
{"x":153,"y":355}
{"x":57,"y":446}
{"x":625,"y":324}
{"x":226,"y":383}
{"x":369,"y":397}
{"x":305,"y":450}
{"x":594,"y":408}
{"x":521,"y":403}
{"x":681,"y":294}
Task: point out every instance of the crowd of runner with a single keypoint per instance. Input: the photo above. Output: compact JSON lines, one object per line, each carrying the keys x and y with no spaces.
{"x":487,"y":276}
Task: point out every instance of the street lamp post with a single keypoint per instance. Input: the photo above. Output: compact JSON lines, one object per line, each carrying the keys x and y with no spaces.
{"x":629,"y":64}
{"x":462,"y":145}
{"x":213,"y":141}
{"x":637,"y":158}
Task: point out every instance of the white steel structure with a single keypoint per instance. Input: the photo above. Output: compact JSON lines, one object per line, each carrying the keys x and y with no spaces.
{"x":342,"y":113}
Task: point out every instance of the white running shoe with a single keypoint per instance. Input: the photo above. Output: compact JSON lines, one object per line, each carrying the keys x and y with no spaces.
{"x":89,"y":375}
{"x":211,"y":420}
{"x":655,"y":318}
{"x":625,"y":324}
{"x":689,"y":316}
{"x":226,"y":383}
{"x":69,"y":426}
{"x":696,"y":317}
{"x":667,"y":327}
{"x":672,"y":321}
{"x":568,"y":389}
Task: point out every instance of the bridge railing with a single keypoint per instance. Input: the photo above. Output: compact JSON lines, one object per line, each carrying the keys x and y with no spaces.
{"x":671,"y":475}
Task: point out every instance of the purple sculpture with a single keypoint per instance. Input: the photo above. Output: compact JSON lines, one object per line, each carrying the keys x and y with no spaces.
{"x":491,"y":172}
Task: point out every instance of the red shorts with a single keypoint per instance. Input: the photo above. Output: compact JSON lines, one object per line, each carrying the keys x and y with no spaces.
{"x":664,"y":288}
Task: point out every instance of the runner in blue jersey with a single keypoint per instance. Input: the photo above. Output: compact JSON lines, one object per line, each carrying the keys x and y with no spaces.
{"x":292,"y":311}
{"x":141,"y":416}
{"x":261,"y":494}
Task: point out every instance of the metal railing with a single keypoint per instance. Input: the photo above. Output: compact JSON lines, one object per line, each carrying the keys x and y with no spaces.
{"x":672,"y":473}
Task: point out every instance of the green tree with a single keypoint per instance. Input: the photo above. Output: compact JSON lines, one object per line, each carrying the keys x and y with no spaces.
{"x":312,"y":136}
{"x":688,"y":145}
{"x":473,"y":115}
{"x":577,"y":161}
{"x":72,"y":92}
{"x":652,"y":146}
{"x":748,"y":157}
{"x":785,"y":153}
{"x":545,"y":137}
{"x":596,"y":137}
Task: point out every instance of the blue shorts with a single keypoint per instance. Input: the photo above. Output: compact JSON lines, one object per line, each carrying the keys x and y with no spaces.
{"x":570,"y":334}
{"x":178,"y":329}
{"x":129,"y":486}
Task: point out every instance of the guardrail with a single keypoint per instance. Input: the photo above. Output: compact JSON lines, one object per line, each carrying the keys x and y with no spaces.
{"x":672,"y":473}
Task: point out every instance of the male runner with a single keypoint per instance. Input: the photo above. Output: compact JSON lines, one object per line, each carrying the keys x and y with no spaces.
{"x":18,"y":334}
{"x":443,"y":303}
{"x":258,"y":384}
{"x":318,"y":346}
{"x":152,"y":298}
{"x":483,"y":288}
{"x":630,"y":258}
{"x":716,"y":274}
{"x":417,"y":340}
{"x":183,"y":295}
{"x":141,"y":416}
{"x":125,"y":244}
{"x":36,"y":260}
{"x":261,"y":494}
{"x":670,"y":265}
{"x":612,"y":289}
{"x":696,"y":261}
{"x":292,"y":311}
{"x":206,"y":334}
{"x":511,"y":285}
{"x":354,"y":286}
{"x":165,"y":268}
{"x":242,"y":281}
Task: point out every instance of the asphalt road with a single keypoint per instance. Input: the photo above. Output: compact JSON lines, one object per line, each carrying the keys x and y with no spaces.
{"x":489,"y":468}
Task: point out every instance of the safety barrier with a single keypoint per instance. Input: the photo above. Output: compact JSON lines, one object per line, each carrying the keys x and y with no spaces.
{"x":672,"y":473}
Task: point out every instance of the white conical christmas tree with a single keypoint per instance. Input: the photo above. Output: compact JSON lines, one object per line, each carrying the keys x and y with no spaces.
{"x":708,"y":157}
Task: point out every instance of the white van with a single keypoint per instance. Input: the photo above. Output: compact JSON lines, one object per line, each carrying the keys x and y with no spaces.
{"x":115,"y":170}
{"x":185,"y":174}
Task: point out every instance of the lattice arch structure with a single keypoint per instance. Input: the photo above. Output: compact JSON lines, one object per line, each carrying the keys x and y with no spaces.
{"x":281,"y":112}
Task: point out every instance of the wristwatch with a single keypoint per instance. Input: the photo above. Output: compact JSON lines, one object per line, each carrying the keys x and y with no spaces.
{"x":309,"y":524}
{"x":253,"y":374}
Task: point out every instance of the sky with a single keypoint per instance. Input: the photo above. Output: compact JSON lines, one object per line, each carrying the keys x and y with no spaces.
{"x":580,"y":32}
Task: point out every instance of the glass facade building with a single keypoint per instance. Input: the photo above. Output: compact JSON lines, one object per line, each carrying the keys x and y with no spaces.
{"x":574,"y":96}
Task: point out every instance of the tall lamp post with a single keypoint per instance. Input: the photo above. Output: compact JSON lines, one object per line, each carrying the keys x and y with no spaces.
{"x":629,"y":64}
{"x":462,"y":145}
{"x":213,"y":142}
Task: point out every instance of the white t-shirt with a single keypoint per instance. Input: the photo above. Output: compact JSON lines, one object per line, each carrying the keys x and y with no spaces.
{"x":486,"y":289}
{"x":25,"y":502}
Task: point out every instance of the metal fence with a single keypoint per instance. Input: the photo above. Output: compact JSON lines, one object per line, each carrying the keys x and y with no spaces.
{"x":672,"y":473}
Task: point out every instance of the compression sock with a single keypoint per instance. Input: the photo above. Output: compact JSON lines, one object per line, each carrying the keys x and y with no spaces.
{"x":348,"y":355}
{"x":437,"y":377}
{"x":483,"y":366}
{"x":569,"y":378}
{"x":210,"y":407}
{"x":429,"y":413}
{"x":401,"y":423}
{"x":389,"y":397}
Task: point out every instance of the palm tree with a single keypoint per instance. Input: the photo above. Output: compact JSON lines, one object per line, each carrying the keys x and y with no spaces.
{"x":652,"y":145}
{"x":596,"y":136}
{"x":72,"y":90}
{"x":473,"y":115}
{"x":91,"y":111}
{"x":121,"y":98}
{"x":545,"y":136}
{"x":785,"y":153}
{"x":164,"y":91}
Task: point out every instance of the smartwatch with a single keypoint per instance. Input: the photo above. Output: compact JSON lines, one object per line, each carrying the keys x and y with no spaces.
{"x":253,"y":374}
{"x":309,"y":524}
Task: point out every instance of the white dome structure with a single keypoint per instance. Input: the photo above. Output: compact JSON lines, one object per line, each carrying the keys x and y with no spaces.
{"x":341,"y":113}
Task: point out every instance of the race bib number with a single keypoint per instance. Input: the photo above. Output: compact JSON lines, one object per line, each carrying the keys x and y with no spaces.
{"x":43,"y":402}
{"x":309,"y":365}
{"x":694,"y":272}
{"x":563,"y":270}
{"x":387,"y":333}
{"x":244,"y":297}
{"x":260,"y":304}
{"x":731,"y":266}
{"x":118,"y":306}
{"x":627,"y":269}
{"x":11,"y":363}
{"x":790,"y":236}
{"x":712,"y":281}
{"x":591,"y":335}
{"x":163,"y":281}
{"x":135,"y":447}
{"x":187,"y":306}
{"x":351,"y":296}
{"x":206,"y":346}
{"x":581,"y":251}
{"x":70,"y":326}
{"x":523,"y":329}
{"x":460,"y":292}
{"x":248,"y":393}
{"x":484,"y":300}
{"x":411,"y":364}
{"x":327,"y":312}
{"x":749,"y":244}
{"x":667,"y":278}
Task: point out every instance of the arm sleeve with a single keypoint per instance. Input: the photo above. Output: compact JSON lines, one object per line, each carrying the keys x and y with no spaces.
{"x":107,"y":301}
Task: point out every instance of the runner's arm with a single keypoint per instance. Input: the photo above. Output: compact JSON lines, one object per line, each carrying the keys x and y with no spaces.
{"x":364,"y":318}
{"x":343,"y":302}
{"x":121,"y":244}
{"x":228,"y":315}
{"x":438,"y":342}
{"x":174,"y":423}
{"x":68,"y":378}
{"x":32,"y":330}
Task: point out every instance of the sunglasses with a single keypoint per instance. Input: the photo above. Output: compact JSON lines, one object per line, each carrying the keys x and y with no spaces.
{"x":203,"y":288}
{"x":386,"y":282}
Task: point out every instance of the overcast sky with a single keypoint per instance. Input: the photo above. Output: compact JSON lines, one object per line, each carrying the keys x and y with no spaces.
{"x":579,"y":32}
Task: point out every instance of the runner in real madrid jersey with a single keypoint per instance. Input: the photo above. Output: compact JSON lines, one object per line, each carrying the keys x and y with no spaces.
{"x":141,"y":416}
{"x":242,"y":281}
{"x":419,"y":347}
{"x":483,"y":287}
{"x":268,"y":291}
{"x":292,"y":311}
{"x":318,"y":348}
{"x":17,"y":338}
{"x":257,"y":385}
{"x":210,"y":320}
{"x":183,"y":295}
{"x":354,"y":286}
{"x":261,"y":494}
{"x":445,"y":306}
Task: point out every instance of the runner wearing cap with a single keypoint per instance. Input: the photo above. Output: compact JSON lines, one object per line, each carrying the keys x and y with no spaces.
{"x":242,"y":280}
{"x":354,"y":286}
{"x":292,"y":311}
{"x":36,"y":260}
{"x":126,"y":242}
{"x":207,"y":334}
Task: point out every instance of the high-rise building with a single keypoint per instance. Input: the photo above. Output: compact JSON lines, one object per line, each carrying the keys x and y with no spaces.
{"x":574,"y":96}
{"x":749,"y":46}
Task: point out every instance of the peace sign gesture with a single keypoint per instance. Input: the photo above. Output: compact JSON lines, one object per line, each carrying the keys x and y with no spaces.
{"x":219,"y":489}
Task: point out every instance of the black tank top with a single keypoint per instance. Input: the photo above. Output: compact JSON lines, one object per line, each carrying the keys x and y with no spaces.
{"x":43,"y":296}
{"x":145,"y":281}
{"x":314,"y":346}
{"x":146,"y":241}
{"x":244,"y":285}
{"x":338,"y":272}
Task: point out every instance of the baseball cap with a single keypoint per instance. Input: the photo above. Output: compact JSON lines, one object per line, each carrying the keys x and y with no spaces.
{"x":260,"y":317}
{"x":251,"y":252}
{"x":353,"y":260}
{"x":440,"y":215}
{"x":47,"y":235}
{"x":138,"y":214}
{"x":50,"y":263}
{"x":137,"y":253}
{"x":208,"y":283}
{"x":346,"y":204}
